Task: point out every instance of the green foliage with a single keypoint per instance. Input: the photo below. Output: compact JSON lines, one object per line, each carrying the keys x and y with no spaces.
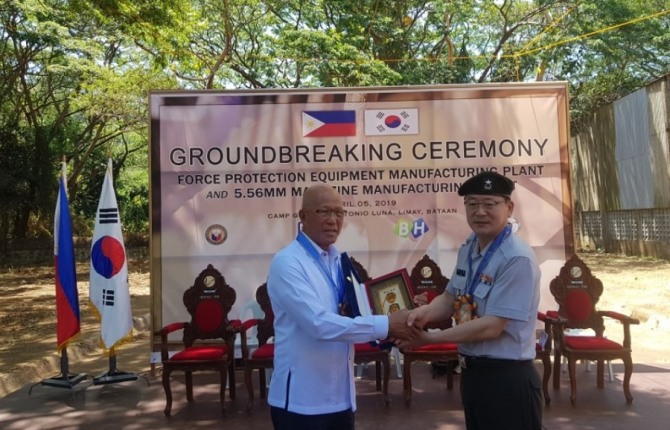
{"x":133,"y":198}
{"x":14,"y":178}
{"x":75,"y":74}
{"x":324,"y":59}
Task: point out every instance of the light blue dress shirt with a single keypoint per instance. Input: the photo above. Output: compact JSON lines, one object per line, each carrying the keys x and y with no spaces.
{"x":314,"y":352}
{"x":510,"y":289}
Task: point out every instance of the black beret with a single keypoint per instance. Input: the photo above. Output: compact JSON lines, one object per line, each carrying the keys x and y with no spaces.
{"x":488,"y":183}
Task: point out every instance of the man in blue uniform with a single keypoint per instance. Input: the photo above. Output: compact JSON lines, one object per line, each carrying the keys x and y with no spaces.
{"x":493,"y":293}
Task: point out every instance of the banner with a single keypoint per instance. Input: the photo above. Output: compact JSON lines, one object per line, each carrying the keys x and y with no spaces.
{"x":67,"y":297}
{"x":229,"y":169}
{"x":109,"y":291}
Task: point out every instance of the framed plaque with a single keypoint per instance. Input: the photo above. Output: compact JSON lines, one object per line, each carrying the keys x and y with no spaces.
{"x":389,"y":293}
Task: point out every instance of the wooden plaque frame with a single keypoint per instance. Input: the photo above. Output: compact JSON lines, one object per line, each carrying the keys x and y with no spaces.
{"x":390,"y":292}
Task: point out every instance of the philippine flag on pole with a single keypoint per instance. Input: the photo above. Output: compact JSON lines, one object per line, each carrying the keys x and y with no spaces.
{"x":108,"y":289}
{"x":329,"y":123}
{"x":391,"y":122}
{"x":67,"y":297}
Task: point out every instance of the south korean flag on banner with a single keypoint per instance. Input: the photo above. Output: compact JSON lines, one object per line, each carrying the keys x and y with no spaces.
{"x":108,"y":290}
{"x":391,"y":122}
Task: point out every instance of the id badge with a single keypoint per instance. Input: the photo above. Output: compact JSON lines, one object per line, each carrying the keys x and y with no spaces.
{"x":465,"y":309}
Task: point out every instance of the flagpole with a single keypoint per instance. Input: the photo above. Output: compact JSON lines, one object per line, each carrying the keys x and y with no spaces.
{"x":114,"y":375}
{"x":65,"y":379}
{"x":65,"y":280}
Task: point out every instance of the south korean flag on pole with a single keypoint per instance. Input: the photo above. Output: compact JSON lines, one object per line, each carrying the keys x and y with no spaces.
{"x":108,"y":290}
{"x":391,"y":122}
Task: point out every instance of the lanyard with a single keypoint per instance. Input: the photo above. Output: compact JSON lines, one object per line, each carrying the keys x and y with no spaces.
{"x":472,"y":281}
{"x":337,"y":287}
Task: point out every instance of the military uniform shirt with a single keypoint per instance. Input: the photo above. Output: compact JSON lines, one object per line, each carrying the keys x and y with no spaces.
{"x":509,"y":287}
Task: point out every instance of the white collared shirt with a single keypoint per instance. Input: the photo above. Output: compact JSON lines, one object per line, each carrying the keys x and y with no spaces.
{"x":314,"y":352}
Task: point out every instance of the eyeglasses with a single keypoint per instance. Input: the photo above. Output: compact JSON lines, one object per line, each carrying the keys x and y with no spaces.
{"x":487,"y":205}
{"x":327,"y":213}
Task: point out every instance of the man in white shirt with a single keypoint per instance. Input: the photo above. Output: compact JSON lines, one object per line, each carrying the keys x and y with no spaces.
{"x":312,"y":384}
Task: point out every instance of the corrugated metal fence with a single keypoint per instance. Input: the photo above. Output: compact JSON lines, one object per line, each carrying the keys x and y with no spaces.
{"x":621,"y":175}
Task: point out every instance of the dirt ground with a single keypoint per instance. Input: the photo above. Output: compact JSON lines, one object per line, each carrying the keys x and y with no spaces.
{"x":28,"y":311}
{"x":639,"y":287}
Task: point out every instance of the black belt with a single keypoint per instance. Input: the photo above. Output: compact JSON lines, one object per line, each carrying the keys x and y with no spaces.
{"x":475,"y":363}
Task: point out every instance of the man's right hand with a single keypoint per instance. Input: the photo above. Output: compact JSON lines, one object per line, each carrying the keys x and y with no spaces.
{"x":399,"y":328}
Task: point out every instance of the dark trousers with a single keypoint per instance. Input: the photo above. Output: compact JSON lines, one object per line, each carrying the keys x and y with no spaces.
{"x":501,"y":395}
{"x":285,"y":420}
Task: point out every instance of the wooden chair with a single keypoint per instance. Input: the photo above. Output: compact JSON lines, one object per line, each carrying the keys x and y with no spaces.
{"x":577,"y":292}
{"x":368,"y":353}
{"x":263,"y":357}
{"x":543,"y":349}
{"x":426,"y":276}
{"x":208,"y":339}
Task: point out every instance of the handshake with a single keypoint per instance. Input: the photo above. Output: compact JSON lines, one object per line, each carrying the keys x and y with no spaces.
{"x":404,"y":329}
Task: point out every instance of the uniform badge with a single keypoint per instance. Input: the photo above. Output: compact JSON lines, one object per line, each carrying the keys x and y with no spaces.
{"x":465,"y":309}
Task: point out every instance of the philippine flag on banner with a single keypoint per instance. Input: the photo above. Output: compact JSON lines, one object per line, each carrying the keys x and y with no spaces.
{"x":391,"y":122}
{"x":329,"y":123}
{"x":67,"y":297}
{"x":109,"y":291}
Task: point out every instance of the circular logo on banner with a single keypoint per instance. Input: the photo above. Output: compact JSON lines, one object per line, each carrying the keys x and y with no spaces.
{"x":392,"y":121}
{"x":216,"y":234}
{"x":107,"y":256}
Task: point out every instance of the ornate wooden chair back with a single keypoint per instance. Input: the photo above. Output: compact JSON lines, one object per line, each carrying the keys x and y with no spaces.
{"x":577,"y":292}
{"x":208,"y":302}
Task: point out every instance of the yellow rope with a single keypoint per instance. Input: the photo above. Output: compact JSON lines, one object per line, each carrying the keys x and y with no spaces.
{"x":549,"y":27}
{"x":516,"y":56}
{"x":520,"y":53}
{"x":602,"y":30}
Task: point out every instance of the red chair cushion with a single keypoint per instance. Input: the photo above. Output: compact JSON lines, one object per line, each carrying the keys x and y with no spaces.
{"x":209,"y":315}
{"x":553,"y":314}
{"x":201,"y":353}
{"x":438,"y":347}
{"x":264,"y":351}
{"x":578,"y":305}
{"x":366,"y":347}
{"x":590,"y":343}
